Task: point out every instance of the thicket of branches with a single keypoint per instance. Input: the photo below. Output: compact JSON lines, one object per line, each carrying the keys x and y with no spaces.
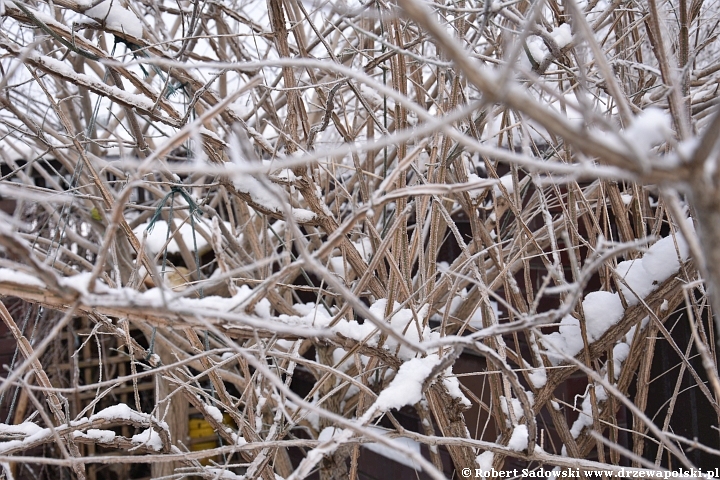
{"x":357,"y":195}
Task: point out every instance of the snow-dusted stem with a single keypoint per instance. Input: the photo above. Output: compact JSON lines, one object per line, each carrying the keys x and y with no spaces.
{"x":706,"y":201}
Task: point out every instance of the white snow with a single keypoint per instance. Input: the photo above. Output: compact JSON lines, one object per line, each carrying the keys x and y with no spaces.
{"x":374,"y":99}
{"x":537,"y":49}
{"x":661,"y":259}
{"x":519,"y":438}
{"x":476,"y":192}
{"x":452,"y":384}
{"x":568,"y":340}
{"x":287,"y":175}
{"x":507,"y":182}
{"x":260,"y":194}
{"x":134,"y":100}
{"x":56,"y":65}
{"x":650,"y":128}
{"x":485,"y":460}
{"x":516,"y":405}
{"x":115,"y":17}
{"x":338,"y":265}
{"x":329,"y":432}
{"x":149,"y":438}
{"x":102,"y":436}
{"x":658,"y":264}
{"x":269,"y":196}
{"x":154,"y":359}
{"x":20,"y":278}
{"x":562,"y":35}
{"x":338,"y":355}
{"x":249,"y":177}
{"x":602,"y":311}
{"x":159,"y":234}
{"x":32,"y":431}
{"x":406,"y":387}
{"x":637,"y":280}
{"x":538,"y":377}
{"x":81,"y":283}
{"x":214,"y":412}
{"x":221,"y":474}
{"x":631,"y":333}
{"x":302,"y":215}
{"x":585,"y":418}
{"x":226,"y":304}
{"x":620,"y":354}
{"x":209,"y":133}
{"x":121,"y":412}
{"x":402,"y":321}
{"x":311,"y":314}
{"x":25,"y":428}
{"x":238,"y":439}
{"x":686,"y":148}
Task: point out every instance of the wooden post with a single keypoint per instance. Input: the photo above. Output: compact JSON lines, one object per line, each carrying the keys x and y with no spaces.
{"x":173,"y":411}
